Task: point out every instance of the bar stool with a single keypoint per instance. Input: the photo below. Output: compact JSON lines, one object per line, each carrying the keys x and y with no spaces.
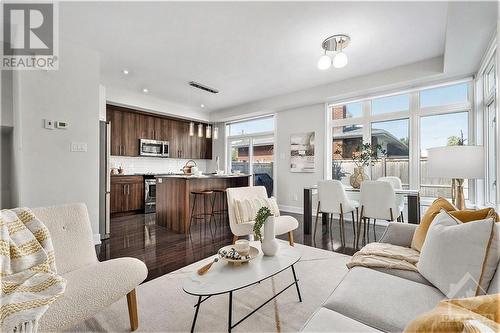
{"x":204,"y":195}
{"x":222,"y":209}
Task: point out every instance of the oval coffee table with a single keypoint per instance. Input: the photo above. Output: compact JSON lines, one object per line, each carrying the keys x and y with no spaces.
{"x":225,"y":278}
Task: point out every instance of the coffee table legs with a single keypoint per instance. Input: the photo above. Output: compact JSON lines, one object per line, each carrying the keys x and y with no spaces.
{"x":197,"y":306}
{"x":296,"y":283}
{"x":230,"y":319}
{"x":230,"y":325}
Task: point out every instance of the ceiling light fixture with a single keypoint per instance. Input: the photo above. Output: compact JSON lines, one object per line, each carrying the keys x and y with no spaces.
{"x":125,"y":71}
{"x":336,"y":44}
{"x":200,"y":130}
{"x":202,"y":105}
{"x":191,"y":129}
{"x":208,"y":132}
{"x":145,"y":90}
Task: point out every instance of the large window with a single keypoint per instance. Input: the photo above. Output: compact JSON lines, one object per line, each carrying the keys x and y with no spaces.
{"x":448,"y":129}
{"x":251,"y":150}
{"x":393,"y":137}
{"x":405,"y":125}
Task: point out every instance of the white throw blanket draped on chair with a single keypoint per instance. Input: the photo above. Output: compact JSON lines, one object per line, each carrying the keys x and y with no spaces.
{"x":27,"y":271}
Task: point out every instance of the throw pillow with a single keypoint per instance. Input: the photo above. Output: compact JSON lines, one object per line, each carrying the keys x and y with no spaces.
{"x":425,"y":222}
{"x":246,"y":210}
{"x":454,"y":255}
{"x":475,"y":314}
{"x":273,"y":206}
{"x":474,"y":215}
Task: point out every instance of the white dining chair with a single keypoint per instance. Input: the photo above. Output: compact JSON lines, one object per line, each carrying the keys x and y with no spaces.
{"x":378,"y":201}
{"x":400,"y":200}
{"x":332,"y":199}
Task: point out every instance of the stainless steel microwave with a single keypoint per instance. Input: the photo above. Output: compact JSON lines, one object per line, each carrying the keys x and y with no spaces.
{"x":153,"y":148}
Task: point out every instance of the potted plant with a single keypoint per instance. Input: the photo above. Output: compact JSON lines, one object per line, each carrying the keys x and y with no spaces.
{"x":364,"y":154}
{"x":265,"y":218}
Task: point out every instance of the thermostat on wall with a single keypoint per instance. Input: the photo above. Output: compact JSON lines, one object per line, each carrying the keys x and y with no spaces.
{"x":61,"y":124}
{"x":48,"y":124}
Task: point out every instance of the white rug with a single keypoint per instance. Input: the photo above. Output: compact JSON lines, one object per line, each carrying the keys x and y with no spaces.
{"x":165,"y":307}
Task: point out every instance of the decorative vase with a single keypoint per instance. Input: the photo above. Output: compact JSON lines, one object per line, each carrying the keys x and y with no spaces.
{"x":358,"y":177}
{"x":270,"y":245}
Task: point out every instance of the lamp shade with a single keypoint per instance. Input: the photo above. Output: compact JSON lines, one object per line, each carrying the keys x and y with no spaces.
{"x":463,"y":162}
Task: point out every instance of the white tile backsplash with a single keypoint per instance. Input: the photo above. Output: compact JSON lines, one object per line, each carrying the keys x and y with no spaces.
{"x":133,"y":165}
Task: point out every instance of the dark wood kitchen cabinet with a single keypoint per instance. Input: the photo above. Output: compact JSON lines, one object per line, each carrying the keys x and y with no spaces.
{"x":128,"y":126}
{"x":127,"y":194}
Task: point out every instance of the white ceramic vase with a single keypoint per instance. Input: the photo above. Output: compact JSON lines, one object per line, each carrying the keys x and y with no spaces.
{"x":270,"y":245}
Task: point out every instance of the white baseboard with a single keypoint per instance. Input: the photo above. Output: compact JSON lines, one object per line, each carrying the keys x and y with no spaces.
{"x":291,"y":209}
{"x":97,"y":239}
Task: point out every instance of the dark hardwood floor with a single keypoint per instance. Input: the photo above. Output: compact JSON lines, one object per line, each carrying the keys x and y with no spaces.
{"x":164,"y":251}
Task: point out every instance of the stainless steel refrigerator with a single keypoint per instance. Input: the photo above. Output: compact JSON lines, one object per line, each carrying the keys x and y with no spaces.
{"x":104,"y":178}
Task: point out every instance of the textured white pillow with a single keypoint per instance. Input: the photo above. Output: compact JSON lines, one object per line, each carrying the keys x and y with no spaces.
{"x":245,"y":210}
{"x":273,"y":206}
{"x":453,"y":255}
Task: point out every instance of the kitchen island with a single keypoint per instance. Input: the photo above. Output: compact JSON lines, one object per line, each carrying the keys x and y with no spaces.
{"x":174,"y":201}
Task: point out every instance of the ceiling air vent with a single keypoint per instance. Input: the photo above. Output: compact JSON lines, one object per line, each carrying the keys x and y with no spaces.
{"x":203,"y":87}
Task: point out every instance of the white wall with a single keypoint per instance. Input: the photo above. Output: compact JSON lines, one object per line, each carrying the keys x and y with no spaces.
{"x":290,"y":186}
{"x":409,"y":76}
{"x":48,"y":173}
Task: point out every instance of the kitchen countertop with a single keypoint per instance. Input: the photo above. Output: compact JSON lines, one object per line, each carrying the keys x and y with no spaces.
{"x":204,"y":176}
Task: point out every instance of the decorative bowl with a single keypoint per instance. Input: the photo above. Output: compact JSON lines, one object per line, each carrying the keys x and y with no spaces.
{"x":229,"y":254}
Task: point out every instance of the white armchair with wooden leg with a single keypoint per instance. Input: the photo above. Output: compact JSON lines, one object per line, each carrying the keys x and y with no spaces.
{"x":91,"y":285}
{"x":244,"y":227}
{"x":378,"y":201}
{"x":332,"y":199}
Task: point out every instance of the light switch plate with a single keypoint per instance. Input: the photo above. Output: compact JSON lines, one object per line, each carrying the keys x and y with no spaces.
{"x":80,"y":147}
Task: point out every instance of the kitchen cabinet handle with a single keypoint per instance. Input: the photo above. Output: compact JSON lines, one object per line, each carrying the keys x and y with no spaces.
{"x":128,"y":189}
{"x":124,"y":191}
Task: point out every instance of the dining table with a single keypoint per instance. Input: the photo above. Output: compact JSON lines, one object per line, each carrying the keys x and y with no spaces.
{"x":413,"y":197}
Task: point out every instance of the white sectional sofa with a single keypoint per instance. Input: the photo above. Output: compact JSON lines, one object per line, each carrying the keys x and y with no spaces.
{"x":369,"y":300}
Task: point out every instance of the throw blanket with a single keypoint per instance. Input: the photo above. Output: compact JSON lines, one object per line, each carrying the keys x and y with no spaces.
{"x":382,"y":255}
{"x":27,"y":271}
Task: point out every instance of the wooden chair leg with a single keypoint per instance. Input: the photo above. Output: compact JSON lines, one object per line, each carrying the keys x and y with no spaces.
{"x":235,"y":238}
{"x":132,"y":310}
{"x":290,"y":238}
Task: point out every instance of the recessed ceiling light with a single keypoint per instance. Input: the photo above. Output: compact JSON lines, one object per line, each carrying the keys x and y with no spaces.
{"x":125,"y":71}
{"x":202,"y":105}
{"x":145,"y":90}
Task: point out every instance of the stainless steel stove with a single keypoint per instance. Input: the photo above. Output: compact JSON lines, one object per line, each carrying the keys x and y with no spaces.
{"x":149,"y":193}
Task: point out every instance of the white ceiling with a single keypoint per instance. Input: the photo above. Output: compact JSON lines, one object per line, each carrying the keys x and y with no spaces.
{"x":249,"y":51}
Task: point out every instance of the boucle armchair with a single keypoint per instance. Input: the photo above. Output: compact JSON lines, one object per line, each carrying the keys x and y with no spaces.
{"x":91,"y":285}
{"x":283,"y":224}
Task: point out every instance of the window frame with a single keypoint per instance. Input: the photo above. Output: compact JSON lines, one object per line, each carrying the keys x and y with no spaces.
{"x":251,"y":136}
{"x":414,"y":114}
{"x":484,"y":99}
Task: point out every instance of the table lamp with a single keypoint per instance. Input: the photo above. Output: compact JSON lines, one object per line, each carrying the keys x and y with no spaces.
{"x":457,"y":163}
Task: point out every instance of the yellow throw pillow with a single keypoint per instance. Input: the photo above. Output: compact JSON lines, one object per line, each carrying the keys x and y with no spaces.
{"x":474,"y":314}
{"x":474,"y":215}
{"x":425,"y":222}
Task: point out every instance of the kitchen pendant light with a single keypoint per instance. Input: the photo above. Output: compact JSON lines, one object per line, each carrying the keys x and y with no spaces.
{"x":216,"y":133}
{"x":200,"y":130}
{"x":335,"y":43}
{"x":191,"y":129}
{"x":208,"y":132}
